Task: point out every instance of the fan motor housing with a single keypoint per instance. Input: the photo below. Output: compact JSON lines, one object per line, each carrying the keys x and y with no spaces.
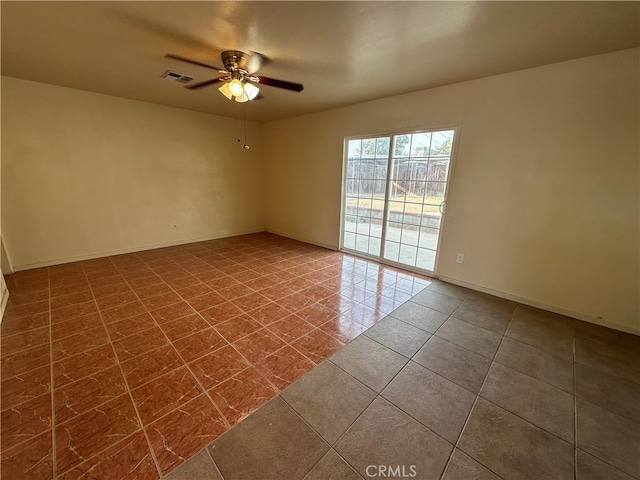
{"x":234,"y":60}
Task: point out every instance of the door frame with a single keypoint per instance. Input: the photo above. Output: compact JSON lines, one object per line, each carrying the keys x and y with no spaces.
{"x":457,"y":127}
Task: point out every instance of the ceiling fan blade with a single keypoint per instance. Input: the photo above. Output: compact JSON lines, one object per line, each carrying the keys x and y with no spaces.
{"x":272,"y":82}
{"x":255,"y":61}
{"x":205,"y":84}
{"x":188,"y":60}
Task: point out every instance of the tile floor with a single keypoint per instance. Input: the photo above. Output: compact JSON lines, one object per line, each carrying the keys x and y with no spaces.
{"x":123,"y":367}
{"x":126,"y":367}
{"x":451,"y":385}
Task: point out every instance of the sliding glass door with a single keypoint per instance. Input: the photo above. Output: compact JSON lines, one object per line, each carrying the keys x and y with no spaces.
{"x":394,"y":196}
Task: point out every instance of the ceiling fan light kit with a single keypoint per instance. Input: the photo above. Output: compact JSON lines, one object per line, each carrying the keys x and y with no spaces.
{"x":239,"y":79}
{"x":235,"y":90}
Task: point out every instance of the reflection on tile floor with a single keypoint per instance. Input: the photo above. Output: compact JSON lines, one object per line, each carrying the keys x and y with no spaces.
{"x":131,"y":364}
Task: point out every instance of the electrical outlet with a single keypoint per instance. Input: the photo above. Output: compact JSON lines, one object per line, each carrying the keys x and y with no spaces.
{"x":174,"y":226}
{"x":460,"y":258}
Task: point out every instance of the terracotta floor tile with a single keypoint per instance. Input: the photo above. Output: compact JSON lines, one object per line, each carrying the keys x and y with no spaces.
{"x":32,"y":297}
{"x":296,"y":302}
{"x":145,"y":281}
{"x":185,"y":326}
{"x":317,"y":345}
{"x":75,"y":398}
{"x":221,"y":313}
{"x":24,"y":361}
{"x":242,"y":394}
{"x":183,"y":282}
{"x":235,"y":291}
{"x":11,"y":326}
{"x":72,"y":311}
{"x":61,"y":290}
{"x":251,"y":301}
{"x":259,"y":283}
{"x":237,"y":328}
{"x":290,"y":328}
{"x":318,"y":292}
{"x":100,"y":281}
{"x":129,"y":326}
{"x":193,"y":291}
{"x":339,"y":303}
{"x":112,"y":301}
{"x":27,"y":309}
{"x":80,"y":342}
{"x":25,"y":387}
{"x":82,"y":365}
{"x":219,"y":281}
{"x":26,"y":420}
{"x":249,"y":291}
{"x":218,"y":366}
{"x":258,"y":345}
{"x":71,"y":327}
{"x":244,"y":275}
{"x":270,"y":313}
{"x":111,"y":290}
{"x":285,"y":366}
{"x":151,"y":365}
{"x":206,"y":301}
{"x":129,"y":458}
{"x":316,"y":314}
{"x":199,"y":344}
{"x":382,"y":304}
{"x":183,"y":432}
{"x":169,"y":275}
{"x":412,"y":285}
{"x":364,"y":315}
{"x":282,"y":277}
{"x":92,"y":432}
{"x":164,"y":394}
{"x":396,"y":294}
{"x":127,"y":310}
{"x":276,"y":292}
{"x":139,"y":343}
{"x":356,"y":292}
{"x":162,"y":300}
{"x":12,"y":344}
{"x":172,"y":312}
{"x":31,"y":460}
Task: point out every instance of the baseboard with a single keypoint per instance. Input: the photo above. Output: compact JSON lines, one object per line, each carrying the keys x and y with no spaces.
{"x":305,"y":240}
{"x":80,"y":258}
{"x":543,"y":306}
{"x":4,"y":299}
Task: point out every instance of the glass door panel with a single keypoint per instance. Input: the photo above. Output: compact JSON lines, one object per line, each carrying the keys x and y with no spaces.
{"x":394,"y":196}
{"x":365,"y":190}
{"x":418,"y":179}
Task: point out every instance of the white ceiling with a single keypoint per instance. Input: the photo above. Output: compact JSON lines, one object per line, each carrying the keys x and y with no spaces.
{"x":343,"y":52}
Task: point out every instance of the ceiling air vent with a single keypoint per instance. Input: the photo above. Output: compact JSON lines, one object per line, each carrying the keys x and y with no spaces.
{"x":176,"y":77}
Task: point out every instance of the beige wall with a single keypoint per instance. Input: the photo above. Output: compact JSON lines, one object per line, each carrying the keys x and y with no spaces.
{"x":544,"y":200}
{"x":85,"y":174}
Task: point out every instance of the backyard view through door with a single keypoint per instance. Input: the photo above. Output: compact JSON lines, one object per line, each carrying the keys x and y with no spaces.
{"x":394,"y":196}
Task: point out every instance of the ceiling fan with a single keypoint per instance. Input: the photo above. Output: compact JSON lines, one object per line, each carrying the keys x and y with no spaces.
{"x":240,"y":79}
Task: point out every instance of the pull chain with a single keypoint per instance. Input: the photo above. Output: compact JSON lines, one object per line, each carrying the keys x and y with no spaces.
{"x":244,"y":119}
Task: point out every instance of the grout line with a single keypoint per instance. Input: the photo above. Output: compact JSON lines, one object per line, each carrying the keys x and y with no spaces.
{"x":54,"y":453}
{"x":142,"y":426}
{"x":466,"y":422}
{"x":185,"y":364}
